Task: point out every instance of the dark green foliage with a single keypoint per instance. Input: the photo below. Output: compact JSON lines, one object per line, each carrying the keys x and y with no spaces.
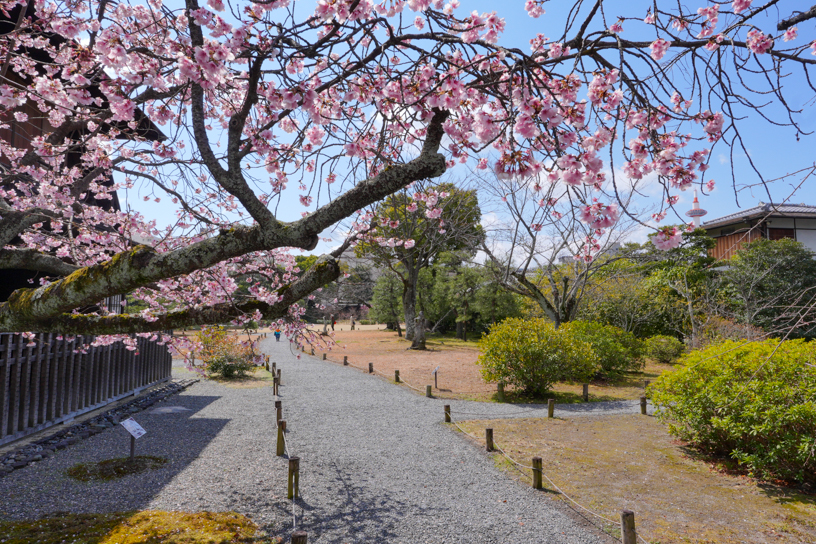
{"x":663,"y":349}
{"x":754,"y":402}
{"x":113,"y":469}
{"x":616,"y":350}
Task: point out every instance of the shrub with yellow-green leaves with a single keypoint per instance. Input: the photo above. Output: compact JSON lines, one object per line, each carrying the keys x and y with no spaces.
{"x":754,"y":402}
{"x":224,"y":354}
{"x":532,"y":355}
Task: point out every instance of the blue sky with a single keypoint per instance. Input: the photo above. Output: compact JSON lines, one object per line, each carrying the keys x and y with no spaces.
{"x":774,"y":150}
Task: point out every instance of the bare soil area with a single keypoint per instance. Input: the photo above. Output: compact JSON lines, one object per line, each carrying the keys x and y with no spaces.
{"x":611,"y":463}
{"x":459,"y":375}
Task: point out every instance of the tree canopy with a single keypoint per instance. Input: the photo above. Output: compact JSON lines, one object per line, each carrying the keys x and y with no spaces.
{"x":218,"y":112}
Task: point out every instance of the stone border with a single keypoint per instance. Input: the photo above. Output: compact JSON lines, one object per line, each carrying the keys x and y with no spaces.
{"x":40,"y":449}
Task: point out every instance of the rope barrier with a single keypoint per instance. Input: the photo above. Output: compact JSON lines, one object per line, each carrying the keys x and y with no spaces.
{"x":561,"y":491}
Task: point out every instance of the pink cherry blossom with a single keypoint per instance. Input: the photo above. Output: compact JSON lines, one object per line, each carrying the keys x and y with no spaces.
{"x":667,"y":238}
{"x":534,"y":8}
{"x":758,"y":42}
{"x":659,"y":48}
{"x":790,"y":34}
{"x":741,"y":5}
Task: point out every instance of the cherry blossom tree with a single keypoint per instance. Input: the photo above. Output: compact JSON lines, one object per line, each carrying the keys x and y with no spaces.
{"x":343,"y":106}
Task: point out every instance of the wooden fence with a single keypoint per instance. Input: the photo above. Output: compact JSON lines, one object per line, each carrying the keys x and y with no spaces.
{"x":52,"y":381}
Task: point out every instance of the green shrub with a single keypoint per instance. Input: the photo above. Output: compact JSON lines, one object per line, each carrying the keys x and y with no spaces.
{"x":616,"y":350}
{"x":663,"y":349}
{"x":747,"y":402}
{"x":532,"y":355}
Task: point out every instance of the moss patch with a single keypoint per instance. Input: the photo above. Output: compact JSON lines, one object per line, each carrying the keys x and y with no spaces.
{"x":148,"y":527}
{"x":611,"y":463}
{"x":113,"y":469}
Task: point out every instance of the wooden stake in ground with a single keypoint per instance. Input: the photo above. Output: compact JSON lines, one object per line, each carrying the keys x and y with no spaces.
{"x":299,"y":537}
{"x":447,"y":413}
{"x":324,"y":356}
{"x":281,"y":450}
{"x":643,"y":405}
{"x":278,"y":410}
{"x":586,"y":392}
{"x":489,"y":439}
{"x":550,"y":407}
{"x":345,"y":360}
{"x":371,"y":368}
{"x":293,"y":489}
{"x":428,"y":391}
{"x":628,"y":533}
{"x":396,"y":376}
{"x":537,"y":470}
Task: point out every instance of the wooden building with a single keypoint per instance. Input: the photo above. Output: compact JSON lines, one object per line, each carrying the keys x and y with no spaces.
{"x":769,"y":221}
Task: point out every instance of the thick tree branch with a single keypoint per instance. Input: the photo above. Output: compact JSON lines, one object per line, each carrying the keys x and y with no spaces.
{"x":325,"y":270}
{"x":27,"y":259}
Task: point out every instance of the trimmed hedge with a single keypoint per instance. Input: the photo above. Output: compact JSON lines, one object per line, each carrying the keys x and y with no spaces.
{"x":755,"y":403}
{"x":616,"y":350}
{"x":532,"y":355}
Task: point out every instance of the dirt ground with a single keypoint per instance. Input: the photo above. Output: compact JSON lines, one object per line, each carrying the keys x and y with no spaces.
{"x":611,"y":463}
{"x":458,"y":375}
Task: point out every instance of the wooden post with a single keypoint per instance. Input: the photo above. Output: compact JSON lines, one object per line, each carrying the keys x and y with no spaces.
{"x":396,"y":376}
{"x":281,"y":443}
{"x":267,"y":366}
{"x":500,"y":394}
{"x":303,"y":349}
{"x":312,"y":351}
{"x":628,"y":533}
{"x":537,"y":473}
{"x":646,"y":384}
{"x":428,"y":391}
{"x":436,"y":385}
{"x":132,"y":448}
{"x":489,"y":439}
{"x":293,"y":489}
{"x":280,"y":382}
{"x":550,"y":407}
{"x":299,"y":537}
{"x":643,"y":405}
{"x":324,"y":356}
{"x":371,"y":368}
{"x":447,"y":413}
{"x":278,"y":410}
{"x":586,"y":392}
{"x":345,"y":360}
{"x":274,"y":367}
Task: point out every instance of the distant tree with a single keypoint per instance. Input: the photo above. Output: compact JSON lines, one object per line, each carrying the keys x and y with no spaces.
{"x":386,"y":303}
{"x":772,"y":284}
{"x":412,"y":227}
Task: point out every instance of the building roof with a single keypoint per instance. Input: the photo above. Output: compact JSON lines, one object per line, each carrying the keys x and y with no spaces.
{"x":761,"y":211}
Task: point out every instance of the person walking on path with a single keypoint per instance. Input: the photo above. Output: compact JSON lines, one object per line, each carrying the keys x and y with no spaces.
{"x":277,"y":335}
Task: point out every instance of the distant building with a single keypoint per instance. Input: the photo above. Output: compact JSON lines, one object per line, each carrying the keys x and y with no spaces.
{"x":769,"y":221}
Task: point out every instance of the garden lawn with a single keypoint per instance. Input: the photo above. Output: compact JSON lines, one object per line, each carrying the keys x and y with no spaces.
{"x":611,"y":463}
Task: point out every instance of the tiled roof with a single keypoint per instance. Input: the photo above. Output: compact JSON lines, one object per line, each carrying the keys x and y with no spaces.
{"x":766,"y":210}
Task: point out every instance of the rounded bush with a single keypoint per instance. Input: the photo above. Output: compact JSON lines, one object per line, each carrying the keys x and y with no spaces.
{"x":617,"y":351}
{"x":223,"y":353}
{"x":532,"y":355}
{"x":755,"y":403}
{"x":663,"y":349}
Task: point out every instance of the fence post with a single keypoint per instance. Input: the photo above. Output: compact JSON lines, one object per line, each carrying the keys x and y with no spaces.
{"x":628,"y":533}
{"x":550,"y":407}
{"x":299,"y":537}
{"x":428,"y":391}
{"x":447,"y":413}
{"x":500,"y":393}
{"x":345,"y":360}
{"x":489,"y":439}
{"x":643,"y":405}
{"x":281,"y":444}
{"x":371,"y":368}
{"x":312,"y":351}
{"x":278,"y":410}
{"x":396,"y":376}
{"x":537,"y":473}
{"x":293,"y":489}
{"x":586,"y":392}
{"x":324,"y":356}
{"x":280,"y":382}
{"x":646,"y":384}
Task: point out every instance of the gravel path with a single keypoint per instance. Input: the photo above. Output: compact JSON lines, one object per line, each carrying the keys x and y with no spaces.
{"x":377,"y":464}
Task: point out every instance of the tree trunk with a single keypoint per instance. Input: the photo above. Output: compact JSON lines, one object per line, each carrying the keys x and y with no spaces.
{"x":460,"y":330}
{"x":409,"y":297}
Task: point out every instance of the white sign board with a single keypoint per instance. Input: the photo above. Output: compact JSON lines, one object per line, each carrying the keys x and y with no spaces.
{"x":133,"y":428}
{"x":436,"y":370}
